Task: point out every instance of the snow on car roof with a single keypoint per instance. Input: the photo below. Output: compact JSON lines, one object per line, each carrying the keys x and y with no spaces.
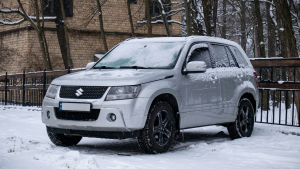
{"x":183,"y":39}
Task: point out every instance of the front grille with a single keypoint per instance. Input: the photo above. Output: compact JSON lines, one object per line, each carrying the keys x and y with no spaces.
{"x":78,"y":116}
{"x":86,"y":92}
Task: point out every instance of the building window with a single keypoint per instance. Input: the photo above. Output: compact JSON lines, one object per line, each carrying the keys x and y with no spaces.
{"x":155,"y":10}
{"x":49,"y":7}
{"x":133,"y":1}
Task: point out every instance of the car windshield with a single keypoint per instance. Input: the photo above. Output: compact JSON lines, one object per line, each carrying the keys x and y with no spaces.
{"x":142,"y":55}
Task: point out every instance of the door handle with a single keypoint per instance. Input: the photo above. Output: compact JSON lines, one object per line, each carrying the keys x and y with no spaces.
{"x":213,"y":78}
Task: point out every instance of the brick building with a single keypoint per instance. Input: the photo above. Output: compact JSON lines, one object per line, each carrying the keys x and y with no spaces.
{"x":84,"y":32}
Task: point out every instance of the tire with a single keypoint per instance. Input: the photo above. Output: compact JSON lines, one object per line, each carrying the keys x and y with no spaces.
{"x":158,"y":134}
{"x":63,"y":140}
{"x":244,"y":123}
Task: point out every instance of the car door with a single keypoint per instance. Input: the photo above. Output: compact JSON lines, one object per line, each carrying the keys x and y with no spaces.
{"x":201,"y":91}
{"x":228,"y":73}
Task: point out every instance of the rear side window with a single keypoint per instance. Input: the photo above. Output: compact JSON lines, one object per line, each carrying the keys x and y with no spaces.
{"x":232,"y":62}
{"x":201,"y":54}
{"x":239,"y":57}
{"x":220,"y":56}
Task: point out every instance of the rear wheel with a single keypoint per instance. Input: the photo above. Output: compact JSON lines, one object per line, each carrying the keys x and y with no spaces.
{"x":63,"y":140}
{"x":244,"y":123}
{"x":159,"y":131}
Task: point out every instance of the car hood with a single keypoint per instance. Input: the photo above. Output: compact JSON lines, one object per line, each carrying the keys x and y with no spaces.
{"x":112,"y":77}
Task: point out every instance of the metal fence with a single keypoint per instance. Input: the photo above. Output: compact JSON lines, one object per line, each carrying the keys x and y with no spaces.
{"x":278,"y":106}
{"x":27,"y":89}
{"x":279,"y":84}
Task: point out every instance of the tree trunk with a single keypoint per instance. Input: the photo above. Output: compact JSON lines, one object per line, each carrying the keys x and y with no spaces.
{"x":223,"y":34}
{"x":148,"y":14}
{"x":101,"y":26}
{"x":243,"y":25}
{"x":260,"y":29}
{"x":286,"y":37}
{"x":207,"y":9}
{"x":164,"y":18}
{"x":62,"y":33}
{"x":215,"y":15}
{"x":188,"y":17}
{"x":130,"y":18}
{"x":271,"y":33}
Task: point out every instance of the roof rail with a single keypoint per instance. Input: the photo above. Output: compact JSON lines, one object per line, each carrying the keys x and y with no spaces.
{"x":132,"y":38}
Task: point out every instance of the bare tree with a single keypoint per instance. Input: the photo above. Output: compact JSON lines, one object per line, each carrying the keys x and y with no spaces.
{"x":62,"y":33}
{"x":260,"y":29}
{"x":164,"y":18}
{"x":223,"y":35}
{"x":243,"y":25}
{"x":148,"y":15}
{"x":207,"y":11}
{"x":130,"y":18}
{"x":101,"y":24}
{"x":38,"y":27}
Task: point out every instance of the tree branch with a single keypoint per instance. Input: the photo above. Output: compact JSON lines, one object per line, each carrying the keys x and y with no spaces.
{"x":32,"y":18}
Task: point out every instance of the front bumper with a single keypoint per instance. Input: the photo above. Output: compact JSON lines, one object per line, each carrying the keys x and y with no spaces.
{"x":98,"y":134}
{"x":131,"y":115}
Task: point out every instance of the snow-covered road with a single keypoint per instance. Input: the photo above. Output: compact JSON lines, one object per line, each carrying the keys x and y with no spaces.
{"x":24,"y":144}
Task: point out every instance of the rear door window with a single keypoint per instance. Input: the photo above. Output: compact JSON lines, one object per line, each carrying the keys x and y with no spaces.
{"x":239,"y":57}
{"x":220,"y":55}
{"x":232,"y":62}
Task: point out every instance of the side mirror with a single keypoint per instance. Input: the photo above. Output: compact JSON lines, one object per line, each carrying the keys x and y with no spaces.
{"x":195,"y":66}
{"x":90,"y":65}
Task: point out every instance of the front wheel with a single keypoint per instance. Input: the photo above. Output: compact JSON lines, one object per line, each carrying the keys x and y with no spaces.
{"x":244,"y":123}
{"x":63,"y":140}
{"x":159,"y":131}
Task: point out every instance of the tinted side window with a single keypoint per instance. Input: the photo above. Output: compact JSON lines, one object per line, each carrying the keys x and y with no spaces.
{"x":232,"y":62}
{"x":239,"y":57}
{"x":201,"y":54}
{"x":220,"y":56}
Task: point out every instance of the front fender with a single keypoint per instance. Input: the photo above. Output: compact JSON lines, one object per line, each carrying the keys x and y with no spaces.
{"x":153,"y":89}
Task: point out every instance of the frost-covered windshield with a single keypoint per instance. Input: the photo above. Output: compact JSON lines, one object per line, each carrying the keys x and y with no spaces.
{"x":142,"y":54}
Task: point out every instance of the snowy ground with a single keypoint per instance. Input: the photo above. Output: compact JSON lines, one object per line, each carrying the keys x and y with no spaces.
{"x":24,"y":144}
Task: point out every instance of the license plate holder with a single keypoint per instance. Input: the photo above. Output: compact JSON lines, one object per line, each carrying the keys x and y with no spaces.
{"x":80,"y":107}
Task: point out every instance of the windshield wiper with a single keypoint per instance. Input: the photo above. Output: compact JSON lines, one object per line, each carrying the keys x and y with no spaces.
{"x":135,"y":67}
{"x":105,"y":67}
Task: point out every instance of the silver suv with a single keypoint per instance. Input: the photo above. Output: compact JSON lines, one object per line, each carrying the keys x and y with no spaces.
{"x":150,"y":89}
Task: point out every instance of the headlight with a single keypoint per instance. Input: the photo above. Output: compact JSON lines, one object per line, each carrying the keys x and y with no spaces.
{"x":123,"y":92}
{"x":51,"y":92}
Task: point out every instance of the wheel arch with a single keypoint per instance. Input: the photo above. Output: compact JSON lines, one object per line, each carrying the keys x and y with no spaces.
{"x":251,"y":98}
{"x":172,"y":101}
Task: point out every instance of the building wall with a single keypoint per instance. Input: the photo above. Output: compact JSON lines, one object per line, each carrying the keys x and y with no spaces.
{"x":84,"y":34}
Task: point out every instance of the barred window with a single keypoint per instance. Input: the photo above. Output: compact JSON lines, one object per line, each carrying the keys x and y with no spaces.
{"x":49,"y":7}
{"x":154,"y":9}
{"x":133,"y":2}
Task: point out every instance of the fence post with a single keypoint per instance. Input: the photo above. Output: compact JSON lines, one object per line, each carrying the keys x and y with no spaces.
{"x":6,"y":88}
{"x":69,"y":71}
{"x":23,"y":97}
{"x":44,"y":83}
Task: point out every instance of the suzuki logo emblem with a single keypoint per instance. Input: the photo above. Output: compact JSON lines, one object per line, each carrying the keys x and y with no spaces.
{"x":79,"y":92}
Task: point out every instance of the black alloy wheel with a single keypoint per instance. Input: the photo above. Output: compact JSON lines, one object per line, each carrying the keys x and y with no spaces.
{"x":162,"y":128}
{"x":158,"y":134}
{"x":244,"y":123}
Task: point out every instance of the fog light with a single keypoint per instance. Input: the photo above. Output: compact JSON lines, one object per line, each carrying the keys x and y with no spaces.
{"x":48,"y":114}
{"x":113,"y":117}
